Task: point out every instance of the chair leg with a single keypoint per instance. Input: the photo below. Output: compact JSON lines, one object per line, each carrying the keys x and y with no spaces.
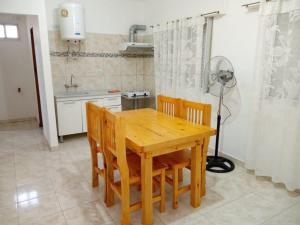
{"x":109,"y":179}
{"x":175,"y":187}
{"x":162,"y":207}
{"x":95,"y":181}
{"x":105,"y":179}
{"x":95,"y":176}
{"x":180,"y":175}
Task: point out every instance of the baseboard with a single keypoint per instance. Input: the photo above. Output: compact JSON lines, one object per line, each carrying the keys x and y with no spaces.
{"x":18,"y":120}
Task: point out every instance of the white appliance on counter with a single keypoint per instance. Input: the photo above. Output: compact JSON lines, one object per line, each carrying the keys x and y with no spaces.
{"x":71,"y":111}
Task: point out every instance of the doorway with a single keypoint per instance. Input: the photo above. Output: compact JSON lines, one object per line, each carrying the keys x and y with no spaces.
{"x":20,"y":98}
{"x":36,"y":77}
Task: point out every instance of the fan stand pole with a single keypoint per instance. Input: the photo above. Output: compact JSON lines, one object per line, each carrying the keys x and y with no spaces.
{"x":216,"y":163}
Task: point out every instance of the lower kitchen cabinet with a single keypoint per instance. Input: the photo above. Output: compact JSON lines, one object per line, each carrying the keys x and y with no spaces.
{"x":69,"y":118}
{"x":71,"y":112}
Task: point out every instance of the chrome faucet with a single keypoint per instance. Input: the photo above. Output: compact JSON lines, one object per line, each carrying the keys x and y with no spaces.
{"x":71,"y":84}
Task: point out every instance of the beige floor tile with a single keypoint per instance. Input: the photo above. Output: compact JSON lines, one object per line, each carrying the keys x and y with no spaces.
{"x":192,"y":219}
{"x":34,"y":190}
{"x":135,"y":217}
{"x":209,"y":202}
{"x":65,"y":176}
{"x":9,"y":215}
{"x":230,"y":189}
{"x":10,"y":221}
{"x":7,"y":183}
{"x":88,"y":214}
{"x":36,"y":209}
{"x":74,"y":197}
{"x":249,"y":210}
{"x":8,"y":198}
{"x":48,"y":182}
{"x":291,"y":216}
{"x":55,"y":219}
{"x":31,"y":176}
{"x":279,"y":195}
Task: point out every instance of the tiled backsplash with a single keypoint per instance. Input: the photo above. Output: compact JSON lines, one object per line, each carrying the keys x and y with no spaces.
{"x":99,"y":66}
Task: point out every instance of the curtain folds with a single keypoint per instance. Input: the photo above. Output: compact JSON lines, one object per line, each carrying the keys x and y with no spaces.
{"x":274,"y":144}
{"x":178,"y":58}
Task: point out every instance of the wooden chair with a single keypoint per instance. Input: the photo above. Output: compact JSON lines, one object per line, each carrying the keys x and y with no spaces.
{"x":196,"y":113}
{"x":169,"y":106}
{"x":128,"y":166}
{"x":94,"y":134}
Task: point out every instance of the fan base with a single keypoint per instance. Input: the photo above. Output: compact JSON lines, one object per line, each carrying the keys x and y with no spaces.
{"x":218,"y":164}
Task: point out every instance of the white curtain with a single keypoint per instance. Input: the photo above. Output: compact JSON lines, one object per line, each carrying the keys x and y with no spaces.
{"x":178,"y":58}
{"x":274,"y":144}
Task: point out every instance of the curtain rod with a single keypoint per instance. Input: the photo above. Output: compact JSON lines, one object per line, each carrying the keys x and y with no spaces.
{"x":188,"y":18}
{"x":173,"y":21}
{"x":253,"y":3}
{"x":250,"y":4}
{"x":210,"y":13}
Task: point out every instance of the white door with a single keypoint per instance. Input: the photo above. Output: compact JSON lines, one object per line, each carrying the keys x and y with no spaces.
{"x":98,"y":102}
{"x":69,"y":117}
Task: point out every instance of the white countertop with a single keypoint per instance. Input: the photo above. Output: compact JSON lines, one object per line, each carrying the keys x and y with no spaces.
{"x":73,"y":94}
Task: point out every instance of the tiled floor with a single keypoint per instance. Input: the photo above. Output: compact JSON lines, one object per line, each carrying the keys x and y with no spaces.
{"x":53,"y":188}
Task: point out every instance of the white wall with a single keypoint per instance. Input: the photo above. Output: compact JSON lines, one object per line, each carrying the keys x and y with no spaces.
{"x":159,"y":11}
{"x":17,"y":105}
{"x":234,"y":36}
{"x":3,"y":98}
{"x":103,"y":16}
{"x":37,"y":7}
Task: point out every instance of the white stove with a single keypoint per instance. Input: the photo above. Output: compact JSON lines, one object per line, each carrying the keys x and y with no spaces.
{"x":134,"y":94}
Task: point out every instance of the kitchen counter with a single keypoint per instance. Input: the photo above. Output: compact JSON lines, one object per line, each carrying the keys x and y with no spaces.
{"x":71,"y":109}
{"x":75,"y":94}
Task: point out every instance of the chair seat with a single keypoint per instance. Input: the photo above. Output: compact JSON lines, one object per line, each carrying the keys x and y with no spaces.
{"x":182,"y":157}
{"x":134,"y":165}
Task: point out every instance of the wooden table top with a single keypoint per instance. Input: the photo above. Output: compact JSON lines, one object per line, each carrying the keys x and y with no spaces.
{"x":148,"y":130}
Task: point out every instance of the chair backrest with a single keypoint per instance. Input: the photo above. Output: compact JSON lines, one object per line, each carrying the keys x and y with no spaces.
{"x":94,"y":118}
{"x":197,"y":113}
{"x":168,"y":105}
{"x":114,"y":138}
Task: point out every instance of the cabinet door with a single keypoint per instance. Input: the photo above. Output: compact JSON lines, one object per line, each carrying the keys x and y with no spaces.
{"x":98,"y":102}
{"x":69,"y":117}
{"x":112,"y":101}
{"x":115,"y":108}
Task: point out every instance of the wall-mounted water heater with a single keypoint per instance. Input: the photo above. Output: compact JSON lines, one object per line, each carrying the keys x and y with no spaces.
{"x":71,"y":20}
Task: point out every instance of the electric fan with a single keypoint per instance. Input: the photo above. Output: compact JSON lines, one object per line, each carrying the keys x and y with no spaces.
{"x":221,"y":79}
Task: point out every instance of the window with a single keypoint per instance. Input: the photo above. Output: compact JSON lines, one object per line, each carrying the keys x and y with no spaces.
{"x":9,"y":31}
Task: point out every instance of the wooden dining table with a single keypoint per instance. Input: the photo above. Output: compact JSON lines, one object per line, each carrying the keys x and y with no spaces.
{"x":150,"y":133}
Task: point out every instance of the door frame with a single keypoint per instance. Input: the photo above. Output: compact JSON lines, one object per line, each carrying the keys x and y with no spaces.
{"x":36,"y":77}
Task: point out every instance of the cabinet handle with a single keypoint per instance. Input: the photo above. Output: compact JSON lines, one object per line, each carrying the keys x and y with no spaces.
{"x":112,"y":99}
{"x":69,"y":103}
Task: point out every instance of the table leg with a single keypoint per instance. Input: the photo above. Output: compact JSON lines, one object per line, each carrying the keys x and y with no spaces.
{"x":203,"y":170}
{"x":196,"y":175}
{"x":146,"y":176}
